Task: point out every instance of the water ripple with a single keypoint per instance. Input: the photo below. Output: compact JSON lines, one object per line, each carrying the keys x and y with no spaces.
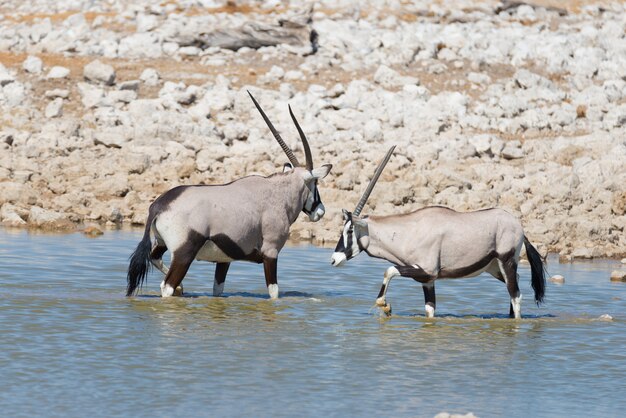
{"x":73,"y":345}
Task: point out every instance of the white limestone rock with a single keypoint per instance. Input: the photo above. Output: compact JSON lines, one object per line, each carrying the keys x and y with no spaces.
{"x":150,"y":77}
{"x":91,"y":96}
{"x":388,"y":78}
{"x":33,"y":65}
{"x":140,"y":45}
{"x":58,"y":72}
{"x":14,"y":94}
{"x":98,"y":72}
{"x":512,"y":150}
{"x":54,"y":109}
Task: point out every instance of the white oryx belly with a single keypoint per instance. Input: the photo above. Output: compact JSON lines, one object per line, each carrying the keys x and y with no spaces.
{"x":211,"y":252}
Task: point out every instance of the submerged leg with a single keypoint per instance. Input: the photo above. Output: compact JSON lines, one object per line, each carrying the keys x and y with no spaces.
{"x":181,"y":260}
{"x":220,"y":277}
{"x":508,"y":267}
{"x":270,"y":267}
{"x":429,"y":299}
{"x":414,"y":272}
{"x":389,"y":274}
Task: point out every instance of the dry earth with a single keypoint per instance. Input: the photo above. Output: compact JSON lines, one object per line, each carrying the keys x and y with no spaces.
{"x":515,"y":105}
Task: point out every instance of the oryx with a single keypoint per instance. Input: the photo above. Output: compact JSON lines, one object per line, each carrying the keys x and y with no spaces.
{"x":247,"y":219}
{"x":439,"y":243}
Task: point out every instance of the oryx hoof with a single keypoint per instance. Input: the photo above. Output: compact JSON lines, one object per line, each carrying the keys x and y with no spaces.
{"x":381,"y":301}
{"x":178,"y":291}
{"x":387,"y":309}
{"x":167,"y":290}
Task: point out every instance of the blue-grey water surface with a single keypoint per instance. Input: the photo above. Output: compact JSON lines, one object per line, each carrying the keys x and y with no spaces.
{"x":72,"y":345}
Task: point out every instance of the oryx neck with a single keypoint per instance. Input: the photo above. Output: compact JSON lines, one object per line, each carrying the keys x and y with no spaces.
{"x":381,"y":238}
{"x":290,"y":189}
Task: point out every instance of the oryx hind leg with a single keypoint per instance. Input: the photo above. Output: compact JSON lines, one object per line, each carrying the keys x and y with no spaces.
{"x":220,"y":277}
{"x":181,"y":260}
{"x":156,"y":257}
{"x":508,"y":267}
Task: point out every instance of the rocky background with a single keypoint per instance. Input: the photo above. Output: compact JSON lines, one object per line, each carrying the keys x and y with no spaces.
{"x":105,"y":105}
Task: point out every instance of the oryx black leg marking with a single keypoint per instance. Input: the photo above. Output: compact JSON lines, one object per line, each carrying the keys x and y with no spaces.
{"x":414,"y":272}
{"x":182,"y":258}
{"x":429,"y":299}
{"x":156,"y":257}
{"x":157,"y":251}
{"x":270,"y":267}
{"x":508,"y":266}
{"x":220,"y":277}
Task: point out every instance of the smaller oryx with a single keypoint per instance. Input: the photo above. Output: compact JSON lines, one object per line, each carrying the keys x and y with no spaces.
{"x":247,"y":219}
{"x":439,"y":243}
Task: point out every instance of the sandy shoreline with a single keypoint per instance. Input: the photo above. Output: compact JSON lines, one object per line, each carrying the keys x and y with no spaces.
{"x":521,"y":108}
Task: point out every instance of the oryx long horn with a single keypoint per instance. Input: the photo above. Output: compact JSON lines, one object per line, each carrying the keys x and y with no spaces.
{"x":370,"y":187}
{"x":286,"y":149}
{"x":305,"y":143}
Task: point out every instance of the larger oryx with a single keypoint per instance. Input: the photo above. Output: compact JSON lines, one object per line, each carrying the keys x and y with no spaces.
{"x":439,"y":243}
{"x":247,"y":219}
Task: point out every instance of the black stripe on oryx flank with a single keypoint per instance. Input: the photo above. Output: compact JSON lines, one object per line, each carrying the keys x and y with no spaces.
{"x":414,"y":273}
{"x":455,"y":273}
{"x":233,"y":250}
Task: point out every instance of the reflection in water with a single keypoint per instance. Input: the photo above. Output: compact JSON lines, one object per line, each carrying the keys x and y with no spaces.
{"x":73,"y":345}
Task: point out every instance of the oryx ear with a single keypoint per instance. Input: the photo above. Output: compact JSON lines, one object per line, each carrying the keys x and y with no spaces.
{"x":346,"y":214}
{"x":287,"y":167}
{"x":322,"y":171}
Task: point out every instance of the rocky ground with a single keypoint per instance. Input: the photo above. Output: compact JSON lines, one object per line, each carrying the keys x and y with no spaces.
{"x":105,"y":105}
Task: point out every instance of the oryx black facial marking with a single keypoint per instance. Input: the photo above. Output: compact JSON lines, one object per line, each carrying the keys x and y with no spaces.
{"x":438,"y":243}
{"x":247,"y":219}
{"x":313,"y":201}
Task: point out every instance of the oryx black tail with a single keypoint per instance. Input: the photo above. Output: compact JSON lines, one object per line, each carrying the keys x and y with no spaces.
{"x":140,"y":260}
{"x":537,"y":271}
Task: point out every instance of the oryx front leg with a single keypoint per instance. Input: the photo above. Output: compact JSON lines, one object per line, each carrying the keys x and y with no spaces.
{"x":220,"y":277}
{"x":429,"y":299}
{"x":416,"y":273}
{"x":389,"y":274}
{"x":270,"y":266}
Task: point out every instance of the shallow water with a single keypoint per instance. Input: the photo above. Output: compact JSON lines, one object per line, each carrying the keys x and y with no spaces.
{"x":73,"y":345}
